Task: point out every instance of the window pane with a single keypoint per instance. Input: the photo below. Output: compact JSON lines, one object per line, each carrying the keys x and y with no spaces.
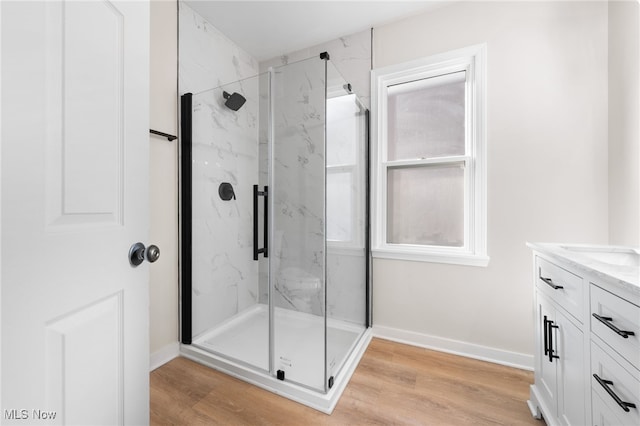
{"x":426,"y":118}
{"x":343,"y":120}
{"x":425,"y":205}
{"x":339,"y":206}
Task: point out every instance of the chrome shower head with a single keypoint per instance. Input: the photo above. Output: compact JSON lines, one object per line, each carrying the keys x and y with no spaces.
{"x":234,"y":101}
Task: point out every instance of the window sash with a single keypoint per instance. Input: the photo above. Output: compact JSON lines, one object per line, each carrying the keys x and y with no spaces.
{"x":473,"y":251}
{"x":398,"y":144}
{"x":357,"y":237}
{"x":386,"y":164}
{"x":465,"y":162}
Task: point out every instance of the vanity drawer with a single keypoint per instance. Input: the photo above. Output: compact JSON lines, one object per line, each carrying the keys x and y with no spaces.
{"x":561,"y":285}
{"x":623,"y":384}
{"x":616,"y":319}
{"x":603,"y":415}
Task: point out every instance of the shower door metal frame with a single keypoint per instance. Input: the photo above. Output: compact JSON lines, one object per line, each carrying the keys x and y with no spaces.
{"x":271,"y":215}
{"x":185,"y":261}
{"x":186,"y":136}
{"x":324,"y":57}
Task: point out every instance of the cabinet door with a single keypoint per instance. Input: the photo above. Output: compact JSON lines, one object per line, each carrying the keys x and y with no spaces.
{"x":569,"y":347}
{"x":546,"y":374}
{"x":603,"y":415}
{"x":620,"y":384}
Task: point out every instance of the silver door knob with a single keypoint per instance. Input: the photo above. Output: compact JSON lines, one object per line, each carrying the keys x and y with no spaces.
{"x":138,"y":252}
{"x":152,"y":253}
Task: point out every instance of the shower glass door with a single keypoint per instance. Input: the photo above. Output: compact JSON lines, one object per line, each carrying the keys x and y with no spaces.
{"x":298,"y":254}
{"x":279,"y":255}
{"x":346,"y":233}
{"x":230,"y":315}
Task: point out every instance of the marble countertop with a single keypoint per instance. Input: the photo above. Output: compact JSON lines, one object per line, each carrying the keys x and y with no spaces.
{"x":616,"y":263}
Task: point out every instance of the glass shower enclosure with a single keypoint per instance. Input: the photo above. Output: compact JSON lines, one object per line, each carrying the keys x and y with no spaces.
{"x":275,"y":256}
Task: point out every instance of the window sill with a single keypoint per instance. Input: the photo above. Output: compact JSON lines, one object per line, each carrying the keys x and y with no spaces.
{"x":465,"y":259}
{"x":343,"y":250}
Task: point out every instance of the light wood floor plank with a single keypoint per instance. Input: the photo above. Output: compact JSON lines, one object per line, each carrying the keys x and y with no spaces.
{"x":393,"y":384}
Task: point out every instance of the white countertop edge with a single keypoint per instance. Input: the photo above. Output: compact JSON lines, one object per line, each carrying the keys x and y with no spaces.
{"x":625,"y":276}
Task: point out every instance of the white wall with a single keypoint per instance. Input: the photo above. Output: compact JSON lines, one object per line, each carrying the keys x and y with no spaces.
{"x":351,"y":54}
{"x":345,"y":275}
{"x":0,"y":218}
{"x":547,"y":168}
{"x":624,"y":123}
{"x":222,"y":272}
{"x":163,"y":156}
{"x":225,"y":149}
{"x":208,"y":58}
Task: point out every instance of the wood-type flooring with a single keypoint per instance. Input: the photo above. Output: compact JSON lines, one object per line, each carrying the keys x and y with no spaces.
{"x":394,"y":384}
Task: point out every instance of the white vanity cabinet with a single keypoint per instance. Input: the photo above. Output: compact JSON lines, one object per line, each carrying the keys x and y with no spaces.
{"x":587,"y":338}
{"x":615,"y":358}
{"x":560,"y":343}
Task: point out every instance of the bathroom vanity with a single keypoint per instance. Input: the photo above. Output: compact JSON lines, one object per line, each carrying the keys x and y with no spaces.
{"x":587,"y":335}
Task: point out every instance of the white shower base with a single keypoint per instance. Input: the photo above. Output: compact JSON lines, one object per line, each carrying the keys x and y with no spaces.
{"x":240,"y":347}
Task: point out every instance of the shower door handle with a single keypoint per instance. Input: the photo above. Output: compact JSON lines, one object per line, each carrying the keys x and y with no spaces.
{"x":264,"y":249}
{"x":265,"y":231}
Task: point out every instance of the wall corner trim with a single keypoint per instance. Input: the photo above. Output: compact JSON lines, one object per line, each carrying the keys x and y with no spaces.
{"x":455,"y":347}
{"x":164,"y":355}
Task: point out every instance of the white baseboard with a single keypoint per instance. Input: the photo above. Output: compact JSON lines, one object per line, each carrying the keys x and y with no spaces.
{"x":164,"y":355}
{"x":456,"y":347}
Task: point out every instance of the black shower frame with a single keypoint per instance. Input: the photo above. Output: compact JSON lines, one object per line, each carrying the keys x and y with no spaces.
{"x":186,"y":138}
{"x":186,"y":133}
{"x":367,"y":214}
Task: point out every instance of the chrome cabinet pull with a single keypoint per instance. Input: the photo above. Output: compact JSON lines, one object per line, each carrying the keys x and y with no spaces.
{"x":607,"y":321}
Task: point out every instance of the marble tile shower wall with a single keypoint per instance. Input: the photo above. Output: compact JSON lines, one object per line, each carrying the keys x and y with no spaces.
{"x":229,"y":279}
{"x":224,"y":150}
{"x":352,"y":57}
{"x":208,"y":58}
{"x":298,"y":181}
{"x":350,"y":54}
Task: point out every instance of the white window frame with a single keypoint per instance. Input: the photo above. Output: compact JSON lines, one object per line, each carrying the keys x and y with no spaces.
{"x":355,"y":245}
{"x":472,"y":60}
{"x":356,"y":209}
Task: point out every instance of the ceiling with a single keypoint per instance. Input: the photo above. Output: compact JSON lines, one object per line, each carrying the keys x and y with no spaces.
{"x":267,"y":29}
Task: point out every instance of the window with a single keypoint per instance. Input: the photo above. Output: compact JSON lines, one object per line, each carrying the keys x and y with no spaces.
{"x":428,"y":163}
{"x":345,"y":174}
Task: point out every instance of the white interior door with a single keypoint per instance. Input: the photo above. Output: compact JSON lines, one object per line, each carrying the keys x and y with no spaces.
{"x":74,"y":199}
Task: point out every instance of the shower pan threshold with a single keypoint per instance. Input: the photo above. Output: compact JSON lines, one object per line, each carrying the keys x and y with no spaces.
{"x":299,"y":342}
{"x":324,"y":402}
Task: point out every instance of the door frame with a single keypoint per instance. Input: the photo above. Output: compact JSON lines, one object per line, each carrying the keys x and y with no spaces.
{"x":0,"y":208}
{"x":5,"y":143}
{"x":185,"y":218}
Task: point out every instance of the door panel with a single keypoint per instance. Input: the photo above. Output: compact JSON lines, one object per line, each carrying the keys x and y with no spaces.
{"x":225,"y":290}
{"x":547,"y":370}
{"x":74,"y":199}
{"x":297,"y":252}
{"x":85,"y":157}
{"x":89,"y":340}
{"x":571,"y":375}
